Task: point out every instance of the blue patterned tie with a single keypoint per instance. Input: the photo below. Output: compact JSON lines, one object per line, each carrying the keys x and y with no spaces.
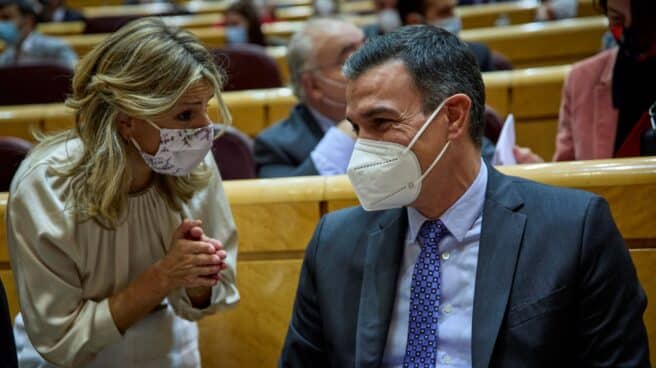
{"x":421,"y":348}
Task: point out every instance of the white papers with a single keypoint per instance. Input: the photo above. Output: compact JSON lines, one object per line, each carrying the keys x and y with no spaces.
{"x":503,"y":153}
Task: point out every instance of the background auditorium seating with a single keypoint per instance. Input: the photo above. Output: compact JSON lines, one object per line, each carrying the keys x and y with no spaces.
{"x":247,"y":67}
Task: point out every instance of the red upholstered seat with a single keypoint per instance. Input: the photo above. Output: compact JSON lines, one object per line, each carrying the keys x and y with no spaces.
{"x":493,"y":124}
{"x":233,"y":153}
{"x":12,"y":151}
{"x":34,"y":84}
{"x":247,"y":67}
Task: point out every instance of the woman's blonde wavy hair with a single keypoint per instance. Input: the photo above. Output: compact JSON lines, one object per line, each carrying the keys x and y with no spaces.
{"x":142,"y":70}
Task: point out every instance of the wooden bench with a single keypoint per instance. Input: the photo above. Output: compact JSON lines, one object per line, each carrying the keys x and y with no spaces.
{"x":276,"y":218}
{"x":533,"y":95}
{"x":541,"y":44}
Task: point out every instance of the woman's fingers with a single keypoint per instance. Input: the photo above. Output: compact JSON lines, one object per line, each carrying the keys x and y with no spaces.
{"x":185,"y":227}
{"x":197,"y":247}
{"x":206,"y":270}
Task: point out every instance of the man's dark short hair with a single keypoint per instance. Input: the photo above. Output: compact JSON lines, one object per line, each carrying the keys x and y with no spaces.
{"x":440,"y":65}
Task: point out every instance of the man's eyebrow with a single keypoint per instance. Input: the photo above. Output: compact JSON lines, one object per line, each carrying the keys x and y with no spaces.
{"x":378,"y":110}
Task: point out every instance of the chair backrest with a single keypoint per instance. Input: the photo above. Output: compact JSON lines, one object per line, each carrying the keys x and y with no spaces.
{"x":34,"y":84}
{"x":12,"y":151}
{"x":108,"y":24}
{"x":233,"y":153}
{"x":493,"y":124}
{"x":112,"y":23}
{"x":247,"y":67}
{"x":501,"y":62}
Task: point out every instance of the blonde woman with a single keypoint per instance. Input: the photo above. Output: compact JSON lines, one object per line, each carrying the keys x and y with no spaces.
{"x":119,"y":231}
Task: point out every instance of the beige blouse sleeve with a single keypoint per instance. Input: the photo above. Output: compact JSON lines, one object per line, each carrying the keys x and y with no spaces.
{"x":211,"y":206}
{"x":65,"y":328}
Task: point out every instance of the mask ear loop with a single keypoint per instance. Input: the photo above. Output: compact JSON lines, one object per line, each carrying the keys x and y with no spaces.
{"x":134,"y":141}
{"x":418,"y":135}
{"x":425,"y":126}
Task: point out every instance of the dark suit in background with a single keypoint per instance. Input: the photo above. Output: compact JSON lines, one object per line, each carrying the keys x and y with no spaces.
{"x":7,"y":344}
{"x":283,"y":150}
{"x":555,"y":285}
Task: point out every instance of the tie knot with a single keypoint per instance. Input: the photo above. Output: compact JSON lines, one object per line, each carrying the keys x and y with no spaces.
{"x":431,"y":233}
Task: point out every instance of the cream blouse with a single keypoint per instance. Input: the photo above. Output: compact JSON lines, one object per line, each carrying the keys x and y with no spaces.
{"x":65,"y":272}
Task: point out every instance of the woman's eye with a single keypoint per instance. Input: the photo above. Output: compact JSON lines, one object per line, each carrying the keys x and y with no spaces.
{"x":184,"y":116}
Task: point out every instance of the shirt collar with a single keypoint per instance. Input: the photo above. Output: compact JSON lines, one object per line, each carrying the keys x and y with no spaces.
{"x":325,"y":122}
{"x":59,"y":14}
{"x":461,"y":216}
{"x":28,"y":42}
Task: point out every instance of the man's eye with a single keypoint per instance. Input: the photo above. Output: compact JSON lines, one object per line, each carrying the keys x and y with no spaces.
{"x":184,"y":116}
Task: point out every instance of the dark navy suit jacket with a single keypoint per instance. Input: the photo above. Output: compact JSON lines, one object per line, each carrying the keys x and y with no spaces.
{"x":555,"y":285}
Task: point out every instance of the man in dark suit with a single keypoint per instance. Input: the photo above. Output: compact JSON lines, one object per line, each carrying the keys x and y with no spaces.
{"x":311,"y":141}
{"x":453,"y":263}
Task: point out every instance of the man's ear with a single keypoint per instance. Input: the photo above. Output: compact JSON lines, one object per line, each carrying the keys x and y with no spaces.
{"x":310,"y":88}
{"x":457,"y":109}
{"x":414,"y":18}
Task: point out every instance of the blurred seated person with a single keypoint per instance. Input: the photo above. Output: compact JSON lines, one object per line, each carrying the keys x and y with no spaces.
{"x":325,"y":8}
{"x":314,"y":139}
{"x":442,"y":14}
{"x":57,"y":11}
{"x":23,"y":44}
{"x":243,"y":24}
{"x":387,"y":18}
{"x":605,"y":98}
{"x":556,"y":9}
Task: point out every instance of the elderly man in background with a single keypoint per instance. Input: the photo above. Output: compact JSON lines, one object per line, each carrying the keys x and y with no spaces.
{"x":23,"y":44}
{"x":314,"y":139}
{"x":448,"y":262}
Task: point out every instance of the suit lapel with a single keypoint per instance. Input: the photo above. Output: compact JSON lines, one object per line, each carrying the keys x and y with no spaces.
{"x":381,"y":269}
{"x":501,"y":236}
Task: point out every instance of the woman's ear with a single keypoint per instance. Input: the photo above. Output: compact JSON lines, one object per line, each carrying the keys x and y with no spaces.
{"x":457,"y":109}
{"x":125,"y":126}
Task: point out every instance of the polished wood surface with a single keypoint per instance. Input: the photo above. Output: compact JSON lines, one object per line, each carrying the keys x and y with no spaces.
{"x":276,"y":217}
{"x":526,"y":45}
{"x":206,"y":14}
{"x":541,"y":44}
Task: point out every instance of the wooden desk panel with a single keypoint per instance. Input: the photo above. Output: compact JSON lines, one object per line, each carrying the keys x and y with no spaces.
{"x":537,"y":134}
{"x":536,"y":92}
{"x":535,"y":44}
{"x":270,"y":226}
{"x":252,"y":334}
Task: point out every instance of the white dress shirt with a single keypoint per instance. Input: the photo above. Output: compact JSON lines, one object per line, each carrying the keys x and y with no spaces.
{"x":333,"y":153}
{"x":459,"y":253}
